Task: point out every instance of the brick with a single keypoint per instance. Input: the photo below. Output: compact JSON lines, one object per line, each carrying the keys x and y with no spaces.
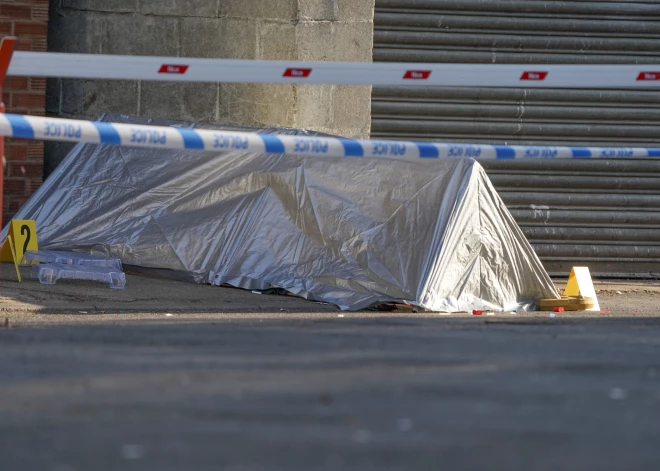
{"x":6,"y":28}
{"x":75,"y":31}
{"x":203,"y":37}
{"x":15,"y":187}
{"x":36,"y":112}
{"x":121,"y":31}
{"x":14,"y":203}
{"x":30,"y":2}
{"x":15,"y":84}
{"x":178,"y":8}
{"x":35,"y":150}
{"x":28,"y":99}
{"x":94,"y":97}
{"x":23,"y":45}
{"x":17,"y":110}
{"x":6,"y":99}
{"x":106,"y":6}
{"x":270,"y":10}
{"x":26,"y":30}
{"x":31,"y":186}
{"x":10,"y":141}
{"x":40,"y":12}
{"x":16,"y":12}
{"x":38,"y":45}
{"x":185,"y":101}
{"x":15,"y":152}
{"x":26,"y":169}
{"x":37,"y":84}
{"x":15,"y":141}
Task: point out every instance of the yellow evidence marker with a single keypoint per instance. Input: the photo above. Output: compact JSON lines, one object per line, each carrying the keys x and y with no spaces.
{"x":580,"y":284}
{"x":21,"y":237}
{"x":579,"y":295}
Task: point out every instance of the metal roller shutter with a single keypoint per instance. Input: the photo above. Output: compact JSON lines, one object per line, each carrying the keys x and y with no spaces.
{"x":605,"y":214}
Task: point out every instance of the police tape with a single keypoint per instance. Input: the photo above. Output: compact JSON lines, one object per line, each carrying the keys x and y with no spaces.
{"x":97,"y":66}
{"x":161,"y":137}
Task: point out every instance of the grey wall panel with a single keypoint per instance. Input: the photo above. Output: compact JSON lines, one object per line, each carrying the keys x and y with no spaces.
{"x":602,"y":213}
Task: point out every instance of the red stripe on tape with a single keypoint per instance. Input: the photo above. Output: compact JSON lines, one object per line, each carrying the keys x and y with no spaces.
{"x":534,"y":76}
{"x":648,"y":76}
{"x":298,"y":73}
{"x":173,"y":69}
{"x":417,"y":75}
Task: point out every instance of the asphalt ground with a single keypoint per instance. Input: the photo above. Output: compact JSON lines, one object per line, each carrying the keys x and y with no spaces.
{"x":175,"y":376}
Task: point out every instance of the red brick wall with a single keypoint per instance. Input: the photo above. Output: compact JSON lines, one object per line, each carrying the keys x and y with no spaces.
{"x":28,"y":21}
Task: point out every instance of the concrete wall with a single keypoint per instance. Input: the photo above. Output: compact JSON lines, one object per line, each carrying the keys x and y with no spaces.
{"x":332,"y":30}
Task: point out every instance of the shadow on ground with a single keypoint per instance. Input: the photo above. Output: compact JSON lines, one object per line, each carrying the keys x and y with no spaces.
{"x":142,"y":294}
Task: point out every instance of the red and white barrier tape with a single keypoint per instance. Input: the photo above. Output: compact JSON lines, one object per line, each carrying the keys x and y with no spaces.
{"x":94,"y":66}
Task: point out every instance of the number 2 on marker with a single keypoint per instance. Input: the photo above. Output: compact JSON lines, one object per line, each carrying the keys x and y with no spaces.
{"x":25,"y":231}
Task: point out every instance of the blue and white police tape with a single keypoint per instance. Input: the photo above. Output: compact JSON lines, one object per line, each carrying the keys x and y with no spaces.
{"x":159,"y":137}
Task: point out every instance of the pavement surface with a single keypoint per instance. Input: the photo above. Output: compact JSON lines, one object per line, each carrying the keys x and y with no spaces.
{"x":177,"y":376}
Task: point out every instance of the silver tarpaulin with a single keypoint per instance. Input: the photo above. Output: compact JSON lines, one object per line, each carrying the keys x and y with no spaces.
{"x":350,"y":232}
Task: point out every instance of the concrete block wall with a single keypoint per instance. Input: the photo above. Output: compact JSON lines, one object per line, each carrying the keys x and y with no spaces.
{"x":332,"y":30}
{"x":28,"y":20}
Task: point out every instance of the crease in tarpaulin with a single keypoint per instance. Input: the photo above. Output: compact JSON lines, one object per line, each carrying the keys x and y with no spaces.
{"x":481,"y":237}
{"x":307,"y":191}
{"x":231,"y":242}
{"x":435,"y":266}
{"x":172,"y":247}
{"x":369,"y":260}
{"x":240,"y":241}
{"x":416,"y":197}
{"x":304,"y":190}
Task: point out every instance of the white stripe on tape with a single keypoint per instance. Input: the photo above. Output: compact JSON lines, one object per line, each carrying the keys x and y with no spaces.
{"x":35,"y":127}
{"x":96,"y":66}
